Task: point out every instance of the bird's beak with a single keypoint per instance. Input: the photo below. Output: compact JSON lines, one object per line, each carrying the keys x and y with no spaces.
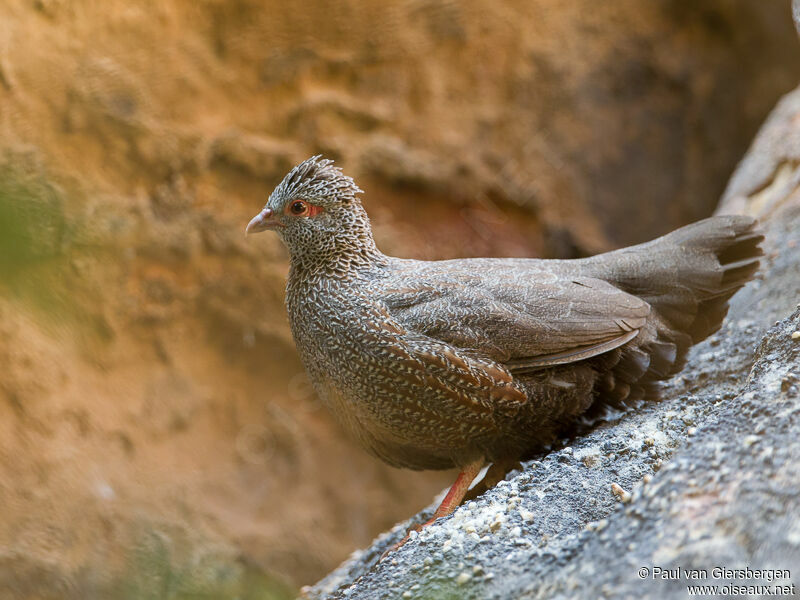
{"x":262,"y":221}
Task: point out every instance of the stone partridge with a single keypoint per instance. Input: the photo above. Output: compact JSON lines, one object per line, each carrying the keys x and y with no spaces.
{"x":461,"y":363}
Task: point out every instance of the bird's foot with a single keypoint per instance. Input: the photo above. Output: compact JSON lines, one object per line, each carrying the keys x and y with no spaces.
{"x":448,"y":505}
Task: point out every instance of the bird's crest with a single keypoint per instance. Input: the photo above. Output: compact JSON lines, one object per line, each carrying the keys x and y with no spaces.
{"x":318,"y":180}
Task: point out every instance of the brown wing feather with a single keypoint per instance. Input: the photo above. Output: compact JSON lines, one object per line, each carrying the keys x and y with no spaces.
{"x":523,"y":365}
{"x":523,"y":318}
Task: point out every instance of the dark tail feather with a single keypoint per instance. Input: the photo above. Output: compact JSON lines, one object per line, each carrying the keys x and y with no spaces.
{"x":688,"y":277}
{"x":734,"y":246}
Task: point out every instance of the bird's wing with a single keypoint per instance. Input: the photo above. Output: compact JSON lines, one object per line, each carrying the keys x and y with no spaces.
{"x":519,"y":314}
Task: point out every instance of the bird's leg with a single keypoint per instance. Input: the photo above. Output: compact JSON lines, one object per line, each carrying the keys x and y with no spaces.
{"x":496,"y":473}
{"x":451,"y":501}
{"x":457,"y":492}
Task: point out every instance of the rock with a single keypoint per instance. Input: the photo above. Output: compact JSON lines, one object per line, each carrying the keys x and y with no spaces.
{"x":769,"y":174}
{"x":256,"y":156}
{"x":714,"y":468}
{"x":796,"y":14}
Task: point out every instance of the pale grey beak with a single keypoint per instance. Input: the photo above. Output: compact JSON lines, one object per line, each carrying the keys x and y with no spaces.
{"x":262,"y":221}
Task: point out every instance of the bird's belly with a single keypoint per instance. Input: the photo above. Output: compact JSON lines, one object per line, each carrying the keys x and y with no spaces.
{"x":390,"y":440}
{"x":407,"y":422}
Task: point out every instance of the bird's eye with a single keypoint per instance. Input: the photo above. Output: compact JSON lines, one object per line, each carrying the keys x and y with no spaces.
{"x":298,"y":207}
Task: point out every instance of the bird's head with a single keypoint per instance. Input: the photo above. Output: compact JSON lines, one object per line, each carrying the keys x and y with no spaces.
{"x":316,"y":213}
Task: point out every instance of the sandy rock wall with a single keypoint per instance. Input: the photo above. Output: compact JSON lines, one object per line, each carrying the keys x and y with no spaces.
{"x":157,"y":435}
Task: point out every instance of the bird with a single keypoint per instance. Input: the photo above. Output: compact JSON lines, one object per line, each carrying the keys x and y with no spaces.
{"x":466,"y":363}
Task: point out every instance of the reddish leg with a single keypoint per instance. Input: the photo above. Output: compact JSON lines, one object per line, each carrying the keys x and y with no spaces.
{"x":451,"y":501}
{"x":457,"y":492}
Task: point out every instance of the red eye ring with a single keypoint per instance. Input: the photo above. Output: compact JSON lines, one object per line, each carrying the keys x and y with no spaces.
{"x":301,"y":208}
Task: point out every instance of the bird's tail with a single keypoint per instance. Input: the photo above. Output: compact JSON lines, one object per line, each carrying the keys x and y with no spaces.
{"x":687,"y":276}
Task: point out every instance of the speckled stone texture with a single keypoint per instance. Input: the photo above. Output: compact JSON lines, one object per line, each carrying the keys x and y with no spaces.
{"x":796,"y":14}
{"x":709,"y":477}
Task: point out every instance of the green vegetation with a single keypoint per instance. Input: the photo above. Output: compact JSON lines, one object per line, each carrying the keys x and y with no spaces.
{"x":166,"y":569}
{"x":33,"y":232}
{"x":32,"y":223}
{"x":37,"y":256}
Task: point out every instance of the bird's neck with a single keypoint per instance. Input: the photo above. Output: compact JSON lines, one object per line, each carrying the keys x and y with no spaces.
{"x":340,"y":257}
{"x":341,"y":252}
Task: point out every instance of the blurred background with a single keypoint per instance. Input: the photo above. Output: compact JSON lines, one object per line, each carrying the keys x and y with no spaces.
{"x":157,"y":435}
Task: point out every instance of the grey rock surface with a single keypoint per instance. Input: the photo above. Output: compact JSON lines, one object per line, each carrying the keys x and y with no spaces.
{"x":796,"y":14}
{"x":708,"y":477}
{"x":769,"y":174}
